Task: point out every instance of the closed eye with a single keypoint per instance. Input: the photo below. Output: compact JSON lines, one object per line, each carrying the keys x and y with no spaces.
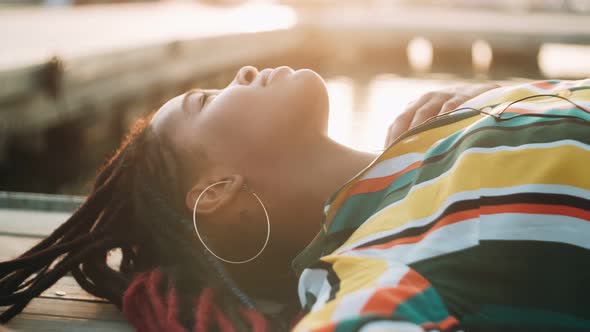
{"x":203,"y":98}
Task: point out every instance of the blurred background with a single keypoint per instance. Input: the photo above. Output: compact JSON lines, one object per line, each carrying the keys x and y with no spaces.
{"x":74,"y":74}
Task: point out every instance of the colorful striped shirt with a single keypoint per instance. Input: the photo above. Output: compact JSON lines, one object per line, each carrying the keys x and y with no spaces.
{"x":478,"y":219}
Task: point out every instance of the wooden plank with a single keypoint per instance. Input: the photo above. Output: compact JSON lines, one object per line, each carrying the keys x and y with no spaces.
{"x":34,"y":215}
{"x":29,"y":322}
{"x":63,"y":304}
{"x":91,"y":86}
{"x":30,"y":223}
{"x":67,"y":288}
{"x":13,"y":246}
{"x":451,"y":24}
{"x":74,"y":31}
{"x":65,"y":291}
{"x":39,"y":202}
{"x":16,"y":83}
{"x":76,"y":311}
{"x":165,"y":67}
{"x":73,"y":309}
{"x":37,"y":112}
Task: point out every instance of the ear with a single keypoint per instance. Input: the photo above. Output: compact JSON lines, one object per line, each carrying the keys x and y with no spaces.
{"x":217,"y":196}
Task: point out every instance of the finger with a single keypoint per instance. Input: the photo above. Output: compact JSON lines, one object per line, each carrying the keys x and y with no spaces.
{"x":399,"y":126}
{"x":427,"y":111}
{"x":426,"y":99}
{"x":466,"y":93}
{"x":430,"y":108}
{"x":403,"y":121}
{"x":453,"y":104}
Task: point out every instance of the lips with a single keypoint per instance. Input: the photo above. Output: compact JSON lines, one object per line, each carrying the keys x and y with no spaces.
{"x":276,"y":71}
{"x":270,"y":76}
{"x":265,"y":78}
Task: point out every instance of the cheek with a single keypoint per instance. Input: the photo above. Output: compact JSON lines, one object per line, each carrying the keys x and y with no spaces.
{"x":261,"y":116}
{"x":237,"y":119}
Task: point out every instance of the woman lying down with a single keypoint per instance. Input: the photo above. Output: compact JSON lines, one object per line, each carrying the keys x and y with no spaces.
{"x":235,"y":211}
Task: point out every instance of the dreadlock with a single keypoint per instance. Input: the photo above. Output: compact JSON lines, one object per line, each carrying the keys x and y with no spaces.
{"x":165,"y":280}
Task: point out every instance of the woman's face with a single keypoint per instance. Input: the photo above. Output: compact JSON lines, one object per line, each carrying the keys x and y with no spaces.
{"x":252,"y":129}
{"x":256,"y":114}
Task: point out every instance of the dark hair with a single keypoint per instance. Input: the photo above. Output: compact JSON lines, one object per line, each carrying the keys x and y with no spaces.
{"x":136,"y":206}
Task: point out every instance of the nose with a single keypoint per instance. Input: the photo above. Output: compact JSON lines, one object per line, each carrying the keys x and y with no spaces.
{"x":246,"y":75}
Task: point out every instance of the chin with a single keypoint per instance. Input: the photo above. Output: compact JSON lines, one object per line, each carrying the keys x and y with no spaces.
{"x":303,"y":98}
{"x":310,"y":77}
{"x":318,"y":102}
{"x":314,"y":91}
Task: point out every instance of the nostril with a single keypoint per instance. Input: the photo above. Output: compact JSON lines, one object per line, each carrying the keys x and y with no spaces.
{"x":249,"y":75}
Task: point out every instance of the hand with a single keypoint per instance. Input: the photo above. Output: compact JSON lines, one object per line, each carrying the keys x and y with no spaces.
{"x":431,"y":104}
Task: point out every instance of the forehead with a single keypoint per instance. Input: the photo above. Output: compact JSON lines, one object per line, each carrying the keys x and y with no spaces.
{"x":167,"y":115}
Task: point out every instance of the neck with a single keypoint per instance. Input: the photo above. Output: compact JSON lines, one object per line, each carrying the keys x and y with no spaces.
{"x":295,"y":186}
{"x":329,"y":165}
{"x":302,"y":178}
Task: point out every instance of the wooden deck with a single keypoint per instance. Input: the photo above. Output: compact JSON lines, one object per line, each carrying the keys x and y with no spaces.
{"x":24,"y":220}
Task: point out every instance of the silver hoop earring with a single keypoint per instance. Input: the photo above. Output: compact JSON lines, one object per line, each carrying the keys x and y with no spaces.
{"x":211,"y":251}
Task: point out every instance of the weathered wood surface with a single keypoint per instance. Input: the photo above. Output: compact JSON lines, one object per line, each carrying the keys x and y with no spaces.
{"x":71,"y":32}
{"x":39,"y":202}
{"x":38,"y":97}
{"x":78,"y":31}
{"x":159,"y":48}
{"x":31,"y":322}
{"x":30,"y":224}
{"x":85,"y":64}
{"x":513,"y":30}
{"x":64,"y":306}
